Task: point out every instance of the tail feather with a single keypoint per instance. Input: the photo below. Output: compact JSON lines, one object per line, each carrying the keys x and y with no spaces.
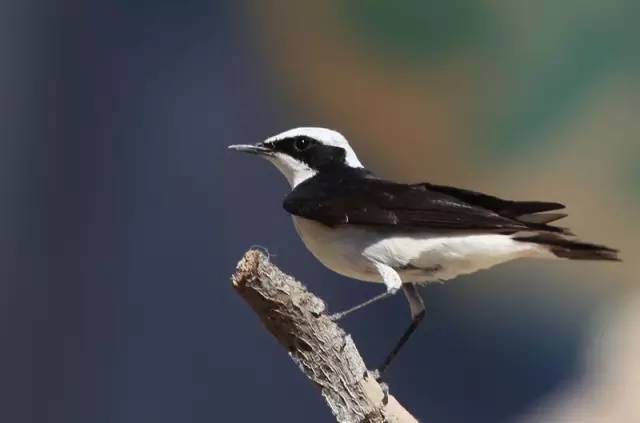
{"x":550,"y":229}
{"x":541,"y":217}
{"x":570,"y":249}
{"x":519,"y":208}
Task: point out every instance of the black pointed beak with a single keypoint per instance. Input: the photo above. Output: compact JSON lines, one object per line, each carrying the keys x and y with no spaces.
{"x":253,"y":149}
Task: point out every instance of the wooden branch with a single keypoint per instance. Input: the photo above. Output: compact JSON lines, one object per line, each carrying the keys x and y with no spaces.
{"x":321,"y":349}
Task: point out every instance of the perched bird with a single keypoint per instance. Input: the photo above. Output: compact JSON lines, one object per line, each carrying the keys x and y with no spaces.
{"x":405,"y":235}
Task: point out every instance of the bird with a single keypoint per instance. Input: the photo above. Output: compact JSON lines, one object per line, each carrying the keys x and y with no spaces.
{"x":405,"y":235}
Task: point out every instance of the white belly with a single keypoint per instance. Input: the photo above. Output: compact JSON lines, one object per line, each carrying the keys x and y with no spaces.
{"x":341,"y":249}
{"x":417,"y":257}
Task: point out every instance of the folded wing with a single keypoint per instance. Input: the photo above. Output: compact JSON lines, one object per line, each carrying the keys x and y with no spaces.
{"x":358,"y":199}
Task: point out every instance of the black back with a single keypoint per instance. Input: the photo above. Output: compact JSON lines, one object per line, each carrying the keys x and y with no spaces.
{"x":356,"y":197}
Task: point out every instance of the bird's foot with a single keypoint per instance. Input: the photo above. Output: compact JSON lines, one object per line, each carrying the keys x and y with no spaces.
{"x":378,"y":378}
{"x":376,"y":375}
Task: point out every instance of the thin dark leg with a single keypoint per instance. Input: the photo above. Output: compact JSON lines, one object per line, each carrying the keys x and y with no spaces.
{"x":338,"y":316}
{"x":416,"y":305}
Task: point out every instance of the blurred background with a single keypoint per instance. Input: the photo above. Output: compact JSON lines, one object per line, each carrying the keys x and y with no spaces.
{"x":123,"y":215}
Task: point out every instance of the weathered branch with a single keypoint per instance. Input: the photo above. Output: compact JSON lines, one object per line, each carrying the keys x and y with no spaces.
{"x":322,"y":350}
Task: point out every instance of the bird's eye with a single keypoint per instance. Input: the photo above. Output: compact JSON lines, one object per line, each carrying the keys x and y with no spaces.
{"x":302,"y":143}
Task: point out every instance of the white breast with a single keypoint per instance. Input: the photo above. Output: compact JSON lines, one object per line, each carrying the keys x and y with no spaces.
{"x":417,"y":257}
{"x":340,"y":249}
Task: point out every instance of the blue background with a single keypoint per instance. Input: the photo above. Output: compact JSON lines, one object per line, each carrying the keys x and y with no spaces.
{"x":124,"y":215}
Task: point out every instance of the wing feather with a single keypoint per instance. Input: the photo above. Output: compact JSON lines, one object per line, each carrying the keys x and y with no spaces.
{"x":365,"y":200}
{"x":509,"y":208}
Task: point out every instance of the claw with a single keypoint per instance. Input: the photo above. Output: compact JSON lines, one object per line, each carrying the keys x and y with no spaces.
{"x":385,"y":391}
{"x":336,"y":316}
{"x":377,"y":375}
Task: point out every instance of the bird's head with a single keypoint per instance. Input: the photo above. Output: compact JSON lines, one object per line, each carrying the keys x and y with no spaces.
{"x":301,"y":153}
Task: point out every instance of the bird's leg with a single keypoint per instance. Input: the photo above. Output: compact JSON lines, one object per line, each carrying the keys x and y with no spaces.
{"x":338,"y":316}
{"x":416,"y":305}
{"x":391,"y":280}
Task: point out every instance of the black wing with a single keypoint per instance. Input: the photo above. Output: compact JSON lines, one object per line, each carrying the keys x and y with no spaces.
{"x":512,"y":209}
{"x":358,"y":198}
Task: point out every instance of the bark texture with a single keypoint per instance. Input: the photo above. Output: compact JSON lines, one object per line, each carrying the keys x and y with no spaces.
{"x":323,"y":351}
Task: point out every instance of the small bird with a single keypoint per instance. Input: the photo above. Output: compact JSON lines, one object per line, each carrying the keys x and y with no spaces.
{"x":405,"y":235}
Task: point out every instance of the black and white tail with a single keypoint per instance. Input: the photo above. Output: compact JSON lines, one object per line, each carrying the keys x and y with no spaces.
{"x":570,"y":249}
{"x":537,"y":216}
